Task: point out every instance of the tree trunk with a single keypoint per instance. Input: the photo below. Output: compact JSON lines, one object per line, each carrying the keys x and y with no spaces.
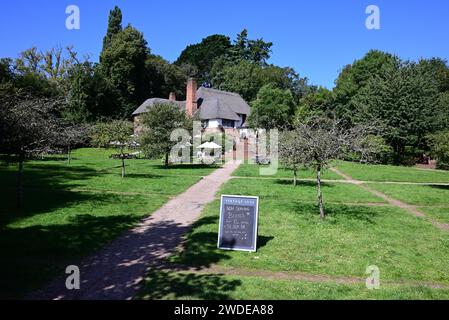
{"x":166,"y":159}
{"x":68,"y":154}
{"x":123,"y":166}
{"x":294,"y":177}
{"x":20,"y":184}
{"x":320,"y":194}
{"x":257,"y":146}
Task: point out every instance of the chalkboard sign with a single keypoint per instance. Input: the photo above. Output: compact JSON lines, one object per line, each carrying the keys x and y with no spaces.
{"x":238,"y":223}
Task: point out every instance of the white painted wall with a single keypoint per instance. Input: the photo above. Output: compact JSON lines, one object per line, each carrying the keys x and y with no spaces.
{"x":214,"y":123}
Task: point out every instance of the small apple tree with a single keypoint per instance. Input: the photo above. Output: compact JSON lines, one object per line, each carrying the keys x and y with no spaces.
{"x":317,"y":143}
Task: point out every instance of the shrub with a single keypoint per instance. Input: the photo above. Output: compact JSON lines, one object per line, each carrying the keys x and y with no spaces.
{"x":439,"y":146}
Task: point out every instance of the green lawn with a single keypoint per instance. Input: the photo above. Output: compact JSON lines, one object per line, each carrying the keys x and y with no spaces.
{"x":421,"y":195}
{"x":171,"y":285}
{"x":305,"y":191}
{"x":253,"y":171}
{"x":292,"y":238}
{"x":366,"y":172}
{"x":72,"y":210}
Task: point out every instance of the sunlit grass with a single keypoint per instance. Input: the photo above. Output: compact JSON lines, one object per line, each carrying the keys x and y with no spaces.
{"x":71,"y":210}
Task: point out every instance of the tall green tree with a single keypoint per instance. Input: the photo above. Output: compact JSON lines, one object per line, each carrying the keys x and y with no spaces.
{"x":123,"y":68}
{"x":403,"y":101}
{"x":163,"y":77}
{"x":203,"y":55}
{"x":273,"y":108}
{"x":253,"y":50}
{"x":114,"y":26}
{"x":243,"y":77}
{"x":319,"y":101}
{"x":356,"y":76}
{"x":81,"y":102}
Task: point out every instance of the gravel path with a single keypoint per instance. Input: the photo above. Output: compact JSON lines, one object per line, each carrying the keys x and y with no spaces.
{"x":116,"y":271}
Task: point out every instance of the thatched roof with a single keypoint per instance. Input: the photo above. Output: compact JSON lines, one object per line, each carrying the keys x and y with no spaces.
{"x":212,"y":104}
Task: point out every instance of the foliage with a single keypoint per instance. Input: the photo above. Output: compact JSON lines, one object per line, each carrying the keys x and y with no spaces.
{"x":53,"y":65}
{"x":243,"y":77}
{"x":114,"y":26}
{"x":116,"y":134}
{"x":203,"y":55}
{"x":376,"y":150}
{"x":82,"y":102}
{"x":318,"y":101}
{"x":273,"y":108}
{"x":29,"y":126}
{"x":317,"y":143}
{"x":104,"y":133}
{"x":290,"y":153}
{"x":439,"y":146}
{"x":404,"y":101}
{"x":123,"y":69}
{"x":159,"y":123}
{"x":255,"y":51}
{"x":162,"y":77}
{"x":72,"y":136}
{"x":356,"y":76}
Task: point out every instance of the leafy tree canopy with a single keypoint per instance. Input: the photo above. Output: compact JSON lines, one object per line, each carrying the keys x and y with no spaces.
{"x":273,"y":108}
{"x":123,"y":68}
{"x":159,"y":123}
{"x":203,"y":55}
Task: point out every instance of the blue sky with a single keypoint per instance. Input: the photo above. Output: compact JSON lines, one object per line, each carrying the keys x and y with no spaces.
{"x":316,"y":37}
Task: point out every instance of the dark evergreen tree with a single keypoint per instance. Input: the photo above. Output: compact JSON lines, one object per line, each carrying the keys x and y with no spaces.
{"x":114,"y":26}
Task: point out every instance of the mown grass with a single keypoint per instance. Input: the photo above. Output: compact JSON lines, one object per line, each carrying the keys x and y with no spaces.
{"x":421,"y":195}
{"x":439,"y":214}
{"x":191,"y":286}
{"x":304,"y":191}
{"x":70,"y":211}
{"x":251,"y":170}
{"x":292,"y":238}
{"x":366,"y":172}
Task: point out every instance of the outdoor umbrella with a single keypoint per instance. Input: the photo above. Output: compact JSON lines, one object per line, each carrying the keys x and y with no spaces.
{"x":209,"y":145}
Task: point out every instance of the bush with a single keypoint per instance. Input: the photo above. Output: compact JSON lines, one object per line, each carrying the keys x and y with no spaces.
{"x":439,"y":146}
{"x":375,"y":150}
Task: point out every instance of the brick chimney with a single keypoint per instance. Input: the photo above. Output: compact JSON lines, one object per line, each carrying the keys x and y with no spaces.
{"x":172,"y":96}
{"x":191,"y":103}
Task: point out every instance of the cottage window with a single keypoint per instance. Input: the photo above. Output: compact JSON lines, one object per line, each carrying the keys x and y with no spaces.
{"x":228,"y":123}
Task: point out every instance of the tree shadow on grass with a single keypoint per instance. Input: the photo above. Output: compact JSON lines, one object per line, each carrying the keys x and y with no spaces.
{"x":143,"y":176}
{"x":359,"y":213}
{"x":165,"y":284}
{"x":175,"y":279}
{"x":115,"y":271}
{"x":44,"y":190}
{"x":335,"y":212}
{"x":33,"y":255}
{"x":440,"y":187}
{"x":303,"y":183}
{"x":187,"y":166}
{"x":200,"y":248}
